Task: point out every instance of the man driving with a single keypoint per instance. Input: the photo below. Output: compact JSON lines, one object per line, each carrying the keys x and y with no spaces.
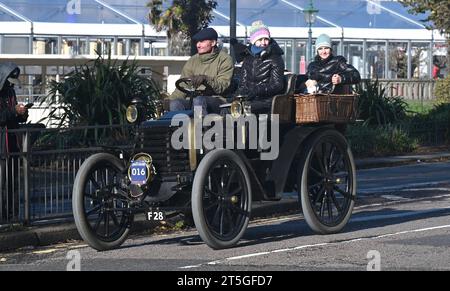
{"x":211,"y":68}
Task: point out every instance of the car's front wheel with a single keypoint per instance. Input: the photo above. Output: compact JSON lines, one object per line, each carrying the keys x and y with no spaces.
{"x":221,"y":199}
{"x":101,"y":214}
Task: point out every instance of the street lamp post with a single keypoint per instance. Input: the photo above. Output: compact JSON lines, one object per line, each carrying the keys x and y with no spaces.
{"x":310,"y":17}
{"x":233,"y":22}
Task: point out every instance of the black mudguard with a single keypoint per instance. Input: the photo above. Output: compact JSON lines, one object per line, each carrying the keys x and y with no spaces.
{"x":281,"y":167}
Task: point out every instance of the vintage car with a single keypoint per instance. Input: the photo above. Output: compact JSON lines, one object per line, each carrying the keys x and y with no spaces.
{"x":217,"y":186}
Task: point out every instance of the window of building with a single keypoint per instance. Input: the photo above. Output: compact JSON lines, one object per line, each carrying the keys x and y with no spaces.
{"x":353,"y":52}
{"x":398,"y":60}
{"x":420,"y":60}
{"x":300,"y":56}
{"x":376,"y":59}
{"x":15,"y":45}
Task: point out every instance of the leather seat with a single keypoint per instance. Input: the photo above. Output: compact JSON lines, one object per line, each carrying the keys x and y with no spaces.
{"x":283,"y":104}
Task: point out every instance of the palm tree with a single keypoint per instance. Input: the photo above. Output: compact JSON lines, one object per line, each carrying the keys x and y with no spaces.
{"x":97,"y":93}
{"x":181,"y":20}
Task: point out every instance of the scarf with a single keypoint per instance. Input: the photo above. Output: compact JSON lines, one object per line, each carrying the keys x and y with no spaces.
{"x":256,"y":50}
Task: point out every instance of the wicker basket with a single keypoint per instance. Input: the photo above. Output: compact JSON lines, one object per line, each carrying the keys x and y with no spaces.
{"x":314,"y":108}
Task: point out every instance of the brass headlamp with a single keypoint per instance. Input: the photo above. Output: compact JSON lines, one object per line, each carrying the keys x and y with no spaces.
{"x":240,"y":107}
{"x":135,"y":111}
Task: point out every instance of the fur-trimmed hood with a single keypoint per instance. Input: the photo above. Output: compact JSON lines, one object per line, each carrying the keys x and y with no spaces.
{"x":6,"y":69}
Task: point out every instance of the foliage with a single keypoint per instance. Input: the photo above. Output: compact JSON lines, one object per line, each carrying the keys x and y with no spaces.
{"x":440,"y":112}
{"x":437,"y":12}
{"x":442,"y":90}
{"x":419,"y":106}
{"x":379,"y":141}
{"x":97,"y":94}
{"x":181,"y":18}
{"x":375,"y":108}
{"x":431,"y":127}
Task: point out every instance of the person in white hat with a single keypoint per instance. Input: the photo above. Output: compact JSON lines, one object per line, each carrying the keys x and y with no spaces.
{"x":327,"y":72}
{"x":263,"y":69}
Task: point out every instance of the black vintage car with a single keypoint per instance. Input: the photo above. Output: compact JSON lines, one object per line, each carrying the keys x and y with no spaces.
{"x":215,"y":186}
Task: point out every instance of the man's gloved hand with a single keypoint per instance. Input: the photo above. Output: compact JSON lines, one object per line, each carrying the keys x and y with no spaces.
{"x":198,"y":80}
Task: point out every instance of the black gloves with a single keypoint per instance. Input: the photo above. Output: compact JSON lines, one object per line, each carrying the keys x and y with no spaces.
{"x":198,"y":80}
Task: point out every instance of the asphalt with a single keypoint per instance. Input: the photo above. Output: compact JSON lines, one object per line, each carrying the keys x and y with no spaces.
{"x":48,"y":234}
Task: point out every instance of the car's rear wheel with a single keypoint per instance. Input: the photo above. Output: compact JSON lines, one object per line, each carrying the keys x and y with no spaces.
{"x":327,"y":182}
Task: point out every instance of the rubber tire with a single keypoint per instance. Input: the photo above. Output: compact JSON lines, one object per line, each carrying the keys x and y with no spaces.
{"x":309,"y":214}
{"x":197,"y":193}
{"x":81,"y":222}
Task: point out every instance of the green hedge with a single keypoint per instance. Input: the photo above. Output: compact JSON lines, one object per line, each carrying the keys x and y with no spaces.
{"x":442,"y":90}
{"x":430,"y":127}
{"x":393,"y":126}
{"x":380,"y":141}
{"x":375,"y":108}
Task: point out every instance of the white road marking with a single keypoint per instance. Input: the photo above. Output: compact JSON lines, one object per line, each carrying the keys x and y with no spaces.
{"x":399,"y":187}
{"x":424,"y":189}
{"x":394,"y":197}
{"x":397,"y":202}
{"x":44,"y":252}
{"x":78,"y":247}
{"x":365,"y":218}
{"x":397,"y":215}
{"x":270,"y":220}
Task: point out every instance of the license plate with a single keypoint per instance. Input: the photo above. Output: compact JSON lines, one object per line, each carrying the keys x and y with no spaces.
{"x":155,"y":216}
{"x":139,"y":172}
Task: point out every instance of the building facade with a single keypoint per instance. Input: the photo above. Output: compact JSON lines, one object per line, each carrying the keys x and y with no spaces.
{"x":379,"y":37}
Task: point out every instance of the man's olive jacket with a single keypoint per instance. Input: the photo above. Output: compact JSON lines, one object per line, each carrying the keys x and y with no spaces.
{"x":218,"y":66}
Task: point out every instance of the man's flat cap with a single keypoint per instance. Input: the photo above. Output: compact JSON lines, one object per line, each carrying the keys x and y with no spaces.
{"x":205,"y":34}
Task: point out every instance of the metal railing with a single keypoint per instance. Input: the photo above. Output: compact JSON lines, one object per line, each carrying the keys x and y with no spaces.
{"x":422,"y":90}
{"x":36,"y":183}
{"x":410,"y":89}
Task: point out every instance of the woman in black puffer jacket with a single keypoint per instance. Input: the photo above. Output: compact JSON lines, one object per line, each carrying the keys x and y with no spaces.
{"x":330,"y":72}
{"x":262,"y":70}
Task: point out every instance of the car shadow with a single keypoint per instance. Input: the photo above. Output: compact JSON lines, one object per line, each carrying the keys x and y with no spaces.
{"x":363,"y":220}
{"x":261,"y":234}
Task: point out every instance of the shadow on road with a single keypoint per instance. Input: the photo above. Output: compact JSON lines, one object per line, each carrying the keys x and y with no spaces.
{"x":261,"y":234}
